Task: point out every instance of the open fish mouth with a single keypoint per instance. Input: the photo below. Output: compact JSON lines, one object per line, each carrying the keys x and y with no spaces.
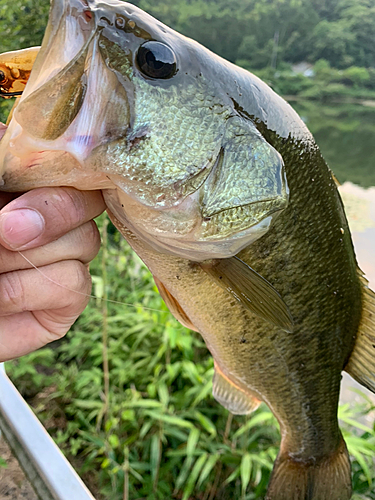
{"x":69,"y":88}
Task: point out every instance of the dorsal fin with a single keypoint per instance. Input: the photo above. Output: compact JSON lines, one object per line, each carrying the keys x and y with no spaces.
{"x":173,"y":305}
{"x":251,"y":289}
{"x":229,"y":395}
{"x":361,"y":364}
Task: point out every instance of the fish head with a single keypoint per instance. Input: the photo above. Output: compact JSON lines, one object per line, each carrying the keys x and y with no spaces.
{"x":120,"y":102}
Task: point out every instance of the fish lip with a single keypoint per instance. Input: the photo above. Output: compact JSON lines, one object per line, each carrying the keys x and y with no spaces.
{"x":36,"y":159}
{"x":62,"y":170}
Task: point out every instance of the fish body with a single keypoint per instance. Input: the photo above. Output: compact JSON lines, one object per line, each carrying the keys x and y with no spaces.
{"x":297,"y":374}
{"x":221,"y":190}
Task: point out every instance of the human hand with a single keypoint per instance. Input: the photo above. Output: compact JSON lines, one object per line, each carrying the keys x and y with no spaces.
{"x":53,"y":228}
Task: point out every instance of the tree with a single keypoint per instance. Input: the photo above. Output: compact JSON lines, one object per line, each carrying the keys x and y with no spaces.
{"x":22,"y":23}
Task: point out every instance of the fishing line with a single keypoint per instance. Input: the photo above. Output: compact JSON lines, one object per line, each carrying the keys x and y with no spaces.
{"x":82,"y":293}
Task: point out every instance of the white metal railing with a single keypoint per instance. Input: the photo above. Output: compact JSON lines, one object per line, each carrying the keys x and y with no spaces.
{"x":51,"y":475}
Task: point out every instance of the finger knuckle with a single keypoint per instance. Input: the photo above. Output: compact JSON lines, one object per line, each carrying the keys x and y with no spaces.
{"x":81,"y":278}
{"x":57,"y":333}
{"x":5,"y":258}
{"x":90,"y":240}
{"x":69,"y":207}
{"x":12,"y":292}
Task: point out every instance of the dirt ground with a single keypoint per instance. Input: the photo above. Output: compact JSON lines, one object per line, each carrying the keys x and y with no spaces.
{"x":13,"y":483}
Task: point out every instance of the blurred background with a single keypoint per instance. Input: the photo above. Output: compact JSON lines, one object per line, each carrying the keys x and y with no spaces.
{"x":147,"y":426}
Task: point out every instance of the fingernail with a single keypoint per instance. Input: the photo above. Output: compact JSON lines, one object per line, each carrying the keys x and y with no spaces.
{"x":19,"y":227}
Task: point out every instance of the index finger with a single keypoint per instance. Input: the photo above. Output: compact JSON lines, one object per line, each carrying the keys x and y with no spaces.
{"x":44,"y":215}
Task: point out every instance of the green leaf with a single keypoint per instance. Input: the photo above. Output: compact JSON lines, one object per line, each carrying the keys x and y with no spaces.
{"x":209,"y":465}
{"x":163,"y":393}
{"x":114,"y":441}
{"x":362,"y":462}
{"x":233,"y":476}
{"x":203,"y":393}
{"x":206,"y":423}
{"x":245,"y":472}
{"x":98,"y":287}
{"x":177,"y":433}
{"x":168,"y":419}
{"x":183,"y":473}
{"x":144,"y":430}
{"x":93,"y":438}
{"x":155,"y":453}
{"x":194,"y":476}
{"x":143,"y":403}
{"x":259,"y":419}
{"x":136,"y":475}
{"x":192,"y":442}
{"x":88,"y":405}
{"x":360,"y":445}
{"x":128,"y":415}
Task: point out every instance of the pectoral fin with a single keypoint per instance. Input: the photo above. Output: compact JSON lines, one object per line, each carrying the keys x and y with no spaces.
{"x":251,"y":289}
{"x":361,"y":364}
{"x":174,"y":306}
{"x":231,"y":396}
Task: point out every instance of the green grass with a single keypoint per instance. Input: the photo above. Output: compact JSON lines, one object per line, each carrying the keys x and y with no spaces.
{"x":157,"y":433}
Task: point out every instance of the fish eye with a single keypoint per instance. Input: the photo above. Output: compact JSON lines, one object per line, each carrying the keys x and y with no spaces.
{"x":2,"y":76}
{"x":156,"y":60}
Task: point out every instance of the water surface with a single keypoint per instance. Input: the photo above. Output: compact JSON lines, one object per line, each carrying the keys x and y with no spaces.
{"x":345,"y":134}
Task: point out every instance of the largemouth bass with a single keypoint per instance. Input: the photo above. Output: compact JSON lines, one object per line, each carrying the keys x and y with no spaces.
{"x":219,"y":187}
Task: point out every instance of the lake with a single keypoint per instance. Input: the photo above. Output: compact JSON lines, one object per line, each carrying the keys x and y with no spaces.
{"x":345,"y":134}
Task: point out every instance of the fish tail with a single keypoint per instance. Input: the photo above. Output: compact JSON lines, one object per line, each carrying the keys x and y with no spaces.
{"x":326,"y":479}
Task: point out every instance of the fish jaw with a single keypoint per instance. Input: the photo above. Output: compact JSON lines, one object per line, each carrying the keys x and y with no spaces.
{"x":49,"y":169}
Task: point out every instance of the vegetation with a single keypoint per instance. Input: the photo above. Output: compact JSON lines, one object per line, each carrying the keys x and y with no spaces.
{"x":157,"y":433}
{"x":265,"y":36}
{"x":324,"y":83}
